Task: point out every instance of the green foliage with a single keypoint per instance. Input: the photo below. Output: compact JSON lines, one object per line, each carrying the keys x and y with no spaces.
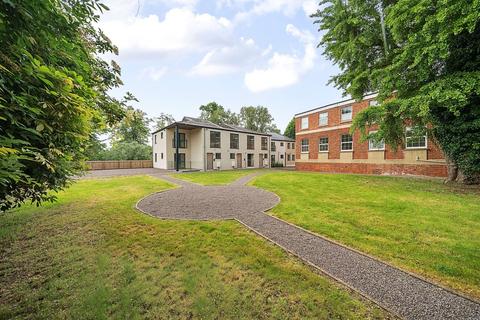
{"x":258,"y":119}
{"x":216,"y":113}
{"x":290,"y":129}
{"x":53,"y":91}
{"x":163,"y":120}
{"x":429,"y":67}
{"x":124,"y":151}
{"x":133,"y":128}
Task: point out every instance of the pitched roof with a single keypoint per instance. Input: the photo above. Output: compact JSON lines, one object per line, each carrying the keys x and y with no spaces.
{"x":279,"y":137}
{"x":202,"y":123}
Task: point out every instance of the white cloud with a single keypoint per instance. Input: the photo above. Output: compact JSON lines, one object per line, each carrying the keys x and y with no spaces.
{"x":284,"y":70}
{"x":228,"y":59}
{"x":153,"y":73}
{"x":181,"y":30}
{"x":261,"y":7}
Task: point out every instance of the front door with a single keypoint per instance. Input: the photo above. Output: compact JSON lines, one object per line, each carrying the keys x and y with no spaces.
{"x":239,"y":160}
{"x":272,"y":159}
{"x":209,"y":161}
{"x":260,"y":160}
{"x":181,"y":162}
{"x":250,"y":160}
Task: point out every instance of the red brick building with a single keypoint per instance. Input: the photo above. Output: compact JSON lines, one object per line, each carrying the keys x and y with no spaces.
{"x":324,"y":143}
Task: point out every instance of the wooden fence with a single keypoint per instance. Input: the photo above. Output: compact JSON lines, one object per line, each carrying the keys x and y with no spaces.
{"x":119,"y":164}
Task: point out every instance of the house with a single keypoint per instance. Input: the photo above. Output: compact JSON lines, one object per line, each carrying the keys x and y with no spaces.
{"x":324,"y":143}
{"x":282,"y":150}
{"x":204,"y":145}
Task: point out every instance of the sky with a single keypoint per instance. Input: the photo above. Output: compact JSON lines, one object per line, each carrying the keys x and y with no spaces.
{"x":177,"y":55}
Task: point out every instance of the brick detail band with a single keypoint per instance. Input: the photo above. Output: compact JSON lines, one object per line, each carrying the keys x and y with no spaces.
{"x":432,"y":170}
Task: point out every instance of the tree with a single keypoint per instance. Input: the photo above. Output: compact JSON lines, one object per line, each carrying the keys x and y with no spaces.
{"x":257,"y":119}
{"x":133,"y":128}
{"x":423,"y":59}
{"x":290,"y":129}
{"x":125,"y":151}
{"x":216,"y":113}
{"x":53,"y":91}
{"x":163,"y":120}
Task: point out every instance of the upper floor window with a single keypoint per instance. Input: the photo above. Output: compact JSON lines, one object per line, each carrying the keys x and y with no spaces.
{"x":288,"y":145}
{"x":215,"y":139}
{"x":293,"y":145}
{"x":346,"y":113}
{"x":281,"y":144}
{"x":155,"y":136}
{"x":182,"y":141}
{"x":305,"y":145}
{"x":346,"y":142}
{"x":372,"y":103}
{"x":415,"y":140}
{"x":161,"y":135}
{"x":376,"y":145}
{"x":323,"y":119}
{"x":234,"y":138}
{"x":250,"y":142}
{"x":272,"y":146}
{"x":323,"y":144}
{"x":304,"y":123}
{"x":264,"y":143}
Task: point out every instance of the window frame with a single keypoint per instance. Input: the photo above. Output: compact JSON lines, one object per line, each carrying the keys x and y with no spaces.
{"x":305,"y":148}
{"x":320,"y":144}
{"x":234,"y":144}
{"x":303,"y":125}
{"x":264,"y":146}
{"x":251,"y":139}
{"x":217,"y":157}
{"x":320,"y":124}
{"x":346,"y":142}
{"x":214,"y":144}
{"x":350,"y":113}
{"x":273,"y":146}
{"x":373,"y":102}
{"x":182,"y":142}
{"x":371,"y":142}
{"x":425,"y":137}
{"x":232,"y":154}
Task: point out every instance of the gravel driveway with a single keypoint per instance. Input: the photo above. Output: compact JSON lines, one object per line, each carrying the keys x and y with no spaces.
{"x":399,"y":292}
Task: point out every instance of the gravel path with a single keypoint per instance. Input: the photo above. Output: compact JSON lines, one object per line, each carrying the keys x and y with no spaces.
{"x":397,"y":291}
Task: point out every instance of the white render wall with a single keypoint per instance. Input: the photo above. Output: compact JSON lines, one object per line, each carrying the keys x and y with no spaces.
{"x":159,"y":147}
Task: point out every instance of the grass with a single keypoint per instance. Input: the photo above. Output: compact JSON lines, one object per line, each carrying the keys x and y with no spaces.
{"x":216,"y":177}
{"x":420,"y":225}
{"x":91,"y":255}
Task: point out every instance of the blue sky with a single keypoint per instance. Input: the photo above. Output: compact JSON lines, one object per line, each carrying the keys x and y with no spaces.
{"x":179,"y":54}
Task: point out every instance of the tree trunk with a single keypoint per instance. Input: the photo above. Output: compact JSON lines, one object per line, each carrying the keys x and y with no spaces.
{"x":452,"y":170}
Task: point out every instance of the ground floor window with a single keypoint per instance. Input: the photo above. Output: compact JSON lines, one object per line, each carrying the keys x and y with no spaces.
{"x":155,"y":157}
{"x":288,"y":157}
{"x":181,"y":160}
{"x":281,"y":156}
{"x":161,"y":155}
{"x":376,"y":145}
{"x":232,"y":156}
{"x":414,"y":141}
{"x":323,"y":144}
{"x":218,"y":156}
{"x":305,"y":145}
{"x":347,"y":142}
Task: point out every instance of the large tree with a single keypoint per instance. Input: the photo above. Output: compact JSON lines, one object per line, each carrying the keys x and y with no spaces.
{"x":53,"y":92}
{"x":290,"y":129}
{"x":163,"y":120}
{"x":423,"y":58}
{"x":258,"y":119}
{"x":133,"y":128}
{"x":216,"y":113}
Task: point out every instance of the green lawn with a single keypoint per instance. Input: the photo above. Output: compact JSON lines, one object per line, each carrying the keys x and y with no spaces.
{"x":91,"y":255}
{"x":216,"y":177}
{"x":420,"y":225}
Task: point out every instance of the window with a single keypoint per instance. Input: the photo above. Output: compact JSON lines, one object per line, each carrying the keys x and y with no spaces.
{"x":376,"y":145}
{"x":250,"y":142}
{"x":234,"y":141}
{"x":293,"y":157}
{"x":218,"y":156}
{"x":288,"y":157}
{"x":281,"y":156}
{"x":304,"y":123}
{"x":155,"y":157}
{"x":293,"y":145}
{"x":323,"y":144}
{"x":288,"y":145}
{"x":264,"y":143}
{"x":323,"y":119}
{"x":347,"y":142}
{"x":413,"y":141}
{"x":232,"y":156}
{"x":161,"y":135}
{"x":272,"y":146}
{"x":161,"y":155}
{"x":304,"y":145}
{"x":346,"y":113}
{"x":372,"y":103}
{"x":182,"y":142}
{"x":155,"y":136}
{"x":214,"y":139}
